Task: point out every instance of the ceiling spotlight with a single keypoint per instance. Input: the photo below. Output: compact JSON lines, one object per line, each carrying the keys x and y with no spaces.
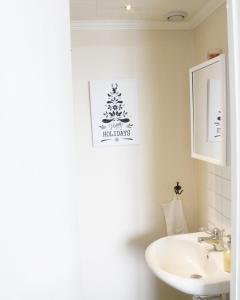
{"x":176,"y":16}
{"x":128,"y":7}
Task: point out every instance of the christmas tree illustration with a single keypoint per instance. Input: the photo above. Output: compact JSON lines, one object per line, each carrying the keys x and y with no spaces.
{"x":115,"y":109}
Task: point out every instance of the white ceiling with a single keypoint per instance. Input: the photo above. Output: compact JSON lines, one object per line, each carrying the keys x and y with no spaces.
{"x":145,"y":10}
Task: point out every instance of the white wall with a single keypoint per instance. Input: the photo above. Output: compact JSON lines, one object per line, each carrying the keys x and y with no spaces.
{"x":214,"y":183}
{"x":122,"y":187}
{"x":38,"y":233}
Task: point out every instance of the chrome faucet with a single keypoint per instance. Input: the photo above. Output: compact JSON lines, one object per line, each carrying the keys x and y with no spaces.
{"x":215,"y":238}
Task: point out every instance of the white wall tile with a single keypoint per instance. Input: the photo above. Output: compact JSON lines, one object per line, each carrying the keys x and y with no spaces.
{"x":226,"y":209}
{"x":211,"y":198}
{"x":219,"y":197}
{"x":211,"y":182}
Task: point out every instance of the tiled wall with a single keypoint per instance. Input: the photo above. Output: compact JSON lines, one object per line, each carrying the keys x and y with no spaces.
{"x":213,"y":183}
{"x":219,"y":197}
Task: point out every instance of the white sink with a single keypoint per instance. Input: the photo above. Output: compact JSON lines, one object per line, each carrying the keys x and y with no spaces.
{"x":176,"y":259}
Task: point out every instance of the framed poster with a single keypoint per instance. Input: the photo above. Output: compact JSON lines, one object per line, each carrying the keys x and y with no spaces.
{"x":114,"y":112}
{"x":214,"y":111}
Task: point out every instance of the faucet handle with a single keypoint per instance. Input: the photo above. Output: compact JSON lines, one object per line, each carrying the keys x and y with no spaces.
{"x":218,"y":233}
{"x":215,"y":232}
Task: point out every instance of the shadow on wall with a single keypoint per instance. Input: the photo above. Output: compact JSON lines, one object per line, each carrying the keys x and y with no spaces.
{"x":161,"y":189}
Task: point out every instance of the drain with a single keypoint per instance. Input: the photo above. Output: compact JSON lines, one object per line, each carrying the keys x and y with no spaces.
{"x":195,"y":276}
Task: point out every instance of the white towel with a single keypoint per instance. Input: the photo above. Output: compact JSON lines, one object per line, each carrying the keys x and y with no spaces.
{"x":174,"y":216}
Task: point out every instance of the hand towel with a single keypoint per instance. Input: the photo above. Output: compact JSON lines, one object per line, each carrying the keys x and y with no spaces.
{"x":174,"y":216}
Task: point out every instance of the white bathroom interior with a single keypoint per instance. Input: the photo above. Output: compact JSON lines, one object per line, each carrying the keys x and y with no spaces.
{"x":79,"y":219}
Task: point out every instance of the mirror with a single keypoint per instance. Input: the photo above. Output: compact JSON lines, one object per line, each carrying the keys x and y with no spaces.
{"x":208,"y":110}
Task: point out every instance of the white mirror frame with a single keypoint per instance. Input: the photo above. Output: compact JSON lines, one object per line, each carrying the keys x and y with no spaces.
{"x":222,"y":160}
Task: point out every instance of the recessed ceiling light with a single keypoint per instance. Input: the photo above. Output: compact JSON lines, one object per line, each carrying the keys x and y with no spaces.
{"x":176,"y":16}
{"x":128,"y":7}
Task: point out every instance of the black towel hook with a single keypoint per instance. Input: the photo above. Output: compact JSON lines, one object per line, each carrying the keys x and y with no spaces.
{"x":178,"y":189}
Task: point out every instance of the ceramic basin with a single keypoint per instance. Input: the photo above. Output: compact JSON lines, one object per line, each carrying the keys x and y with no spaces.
{"x":187,"y":265}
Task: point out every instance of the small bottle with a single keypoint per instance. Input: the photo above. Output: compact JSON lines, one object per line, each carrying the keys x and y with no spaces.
{"x":227,"y":256}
